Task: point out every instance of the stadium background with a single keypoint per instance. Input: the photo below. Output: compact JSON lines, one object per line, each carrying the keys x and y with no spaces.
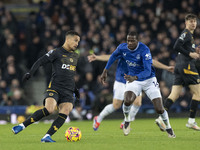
{"x":30,"y":28}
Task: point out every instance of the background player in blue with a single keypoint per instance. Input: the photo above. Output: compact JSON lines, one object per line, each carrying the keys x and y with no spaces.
{"x":61,"y":87}
{"x":118,"y":94}
{"x":140,"y":77}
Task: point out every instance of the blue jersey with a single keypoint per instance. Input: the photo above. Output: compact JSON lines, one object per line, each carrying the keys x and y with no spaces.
{"x":138,"y":61}
{"x":121,"y":70}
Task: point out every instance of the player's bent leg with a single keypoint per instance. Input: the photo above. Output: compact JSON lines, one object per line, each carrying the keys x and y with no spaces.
{"x":105,"y":112}
{"x":50,"y":104}
{"x":36,"y":116}
{"x":176,"y":90}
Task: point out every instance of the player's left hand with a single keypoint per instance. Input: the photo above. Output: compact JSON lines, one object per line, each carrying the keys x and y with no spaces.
{"x":170,"y":69}
{"x":130,"y":78}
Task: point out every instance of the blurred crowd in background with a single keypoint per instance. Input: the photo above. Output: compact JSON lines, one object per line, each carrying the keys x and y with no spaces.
{"x":103,"y":25}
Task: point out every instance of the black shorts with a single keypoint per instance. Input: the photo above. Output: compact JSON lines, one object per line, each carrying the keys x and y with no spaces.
{"x":186,"y":74}
{"x":67,"y":96}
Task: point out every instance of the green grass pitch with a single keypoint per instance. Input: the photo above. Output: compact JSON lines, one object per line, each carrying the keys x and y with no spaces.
{"x":144,"y":135}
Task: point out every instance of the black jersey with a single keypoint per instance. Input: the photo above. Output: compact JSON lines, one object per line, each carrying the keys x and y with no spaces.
{"x":64,"y":67}
{"x":185,"y":71}
{"x":184,"y":45}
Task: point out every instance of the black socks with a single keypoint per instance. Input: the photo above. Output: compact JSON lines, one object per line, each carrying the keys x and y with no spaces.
{"x":36,"y":116}
{"x":193,"y":108}
{"x":57,"y":124}
{"x":168,"y":103}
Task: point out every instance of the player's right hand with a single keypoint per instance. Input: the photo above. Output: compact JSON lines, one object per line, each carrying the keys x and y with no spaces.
{"x":104,"y":76}
{"x":130,"y":78}
{"x":91,"y":58}
{"x":26,"y":77}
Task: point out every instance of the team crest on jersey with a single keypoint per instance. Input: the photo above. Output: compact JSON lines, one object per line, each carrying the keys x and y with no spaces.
{"x":147,"y":56}
{"x":138,"y":56}
{"x":49,"y":53}
{"x":50,"y":94}
{"x":183,"y":36}
{"x":124,"y":54}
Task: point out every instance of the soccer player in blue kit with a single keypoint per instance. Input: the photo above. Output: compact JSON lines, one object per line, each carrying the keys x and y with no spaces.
{"x":140,"y":77}
{"x":119,"y":88}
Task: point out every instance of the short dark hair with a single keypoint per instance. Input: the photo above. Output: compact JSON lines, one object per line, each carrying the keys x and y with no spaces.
{"x":133,"y":33}
{"x":72,"y":32}
{"x":190,"y":16}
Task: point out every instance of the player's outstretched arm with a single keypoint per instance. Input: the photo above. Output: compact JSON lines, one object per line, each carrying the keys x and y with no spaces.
{"x":94,"y":57}
{"x":160,"y":65}
{"x":42,"y":60}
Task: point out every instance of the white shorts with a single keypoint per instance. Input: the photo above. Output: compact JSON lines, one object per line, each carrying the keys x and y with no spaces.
{"x":118,"y":90}
{"x":149,"y":86}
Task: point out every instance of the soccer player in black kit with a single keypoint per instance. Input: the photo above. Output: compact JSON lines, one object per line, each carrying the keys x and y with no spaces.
{"x":61,"y":87}
{"x":185,"y":72}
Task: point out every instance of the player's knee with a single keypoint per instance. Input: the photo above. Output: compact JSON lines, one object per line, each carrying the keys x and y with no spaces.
{"x":173,"y":96}
{"x":196,"y":96}
{"x":129,"y":98}
{"x":137,"y":103}
{"x":50,"y":109}
{"x":159,"y":110}
{"x":128,"y":102}
{"x":116,"y":106}
{"x":65,"y":111}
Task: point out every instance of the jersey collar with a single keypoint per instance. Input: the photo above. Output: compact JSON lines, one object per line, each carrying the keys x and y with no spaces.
{"x":135,"y":48}
{"x":64,"y":50}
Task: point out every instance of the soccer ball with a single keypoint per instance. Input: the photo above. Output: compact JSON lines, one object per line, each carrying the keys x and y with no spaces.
{"x":73,"y":134}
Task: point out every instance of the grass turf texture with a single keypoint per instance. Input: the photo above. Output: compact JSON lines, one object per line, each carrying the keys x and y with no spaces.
{"x":144,"y":135}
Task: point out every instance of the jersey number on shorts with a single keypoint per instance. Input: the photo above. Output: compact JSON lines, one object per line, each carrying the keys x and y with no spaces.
{"x":156,"y":83}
